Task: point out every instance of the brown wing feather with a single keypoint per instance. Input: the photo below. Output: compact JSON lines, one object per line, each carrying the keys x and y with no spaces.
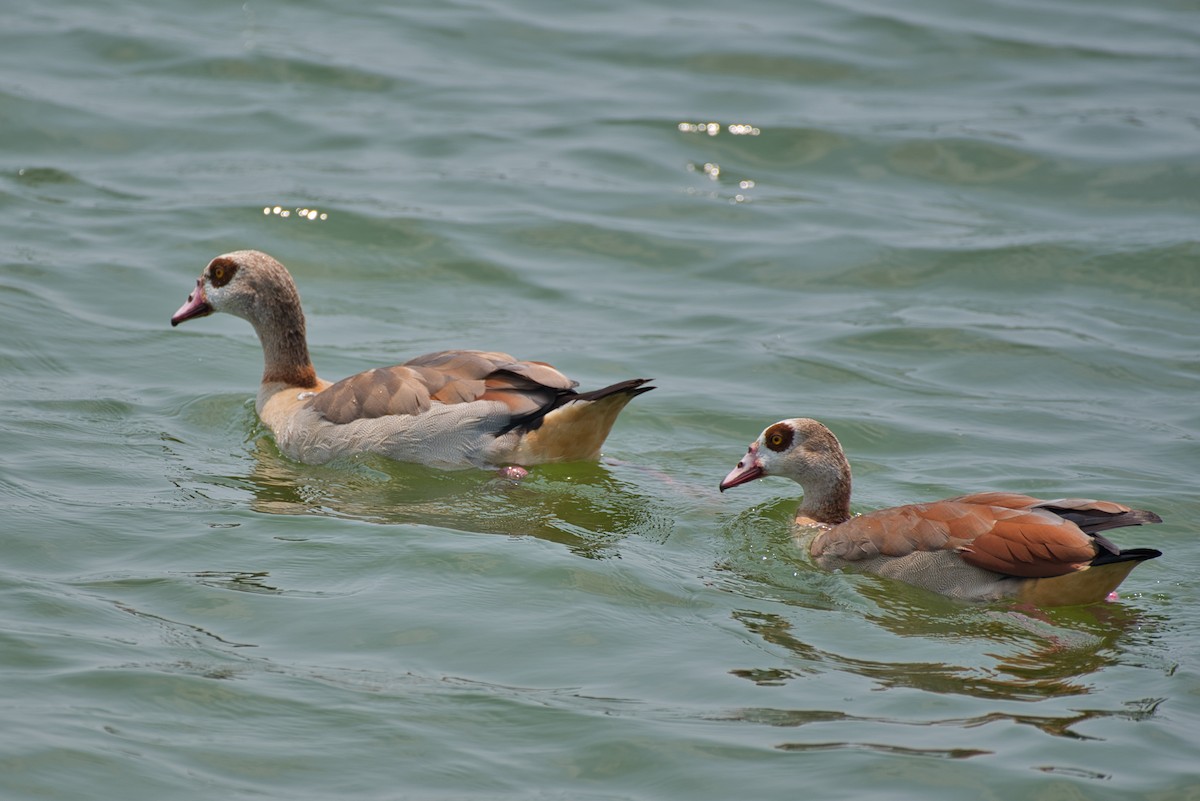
{"x":455,"y":376}
{"x":1032,"y":544}
{"x":888,"y":532}
{"x":1094,"y":517}
{"x":1087,"y":505}
{"x":540,"y":374}
{"x":1009,"y":500}
{"x":374,"y":393}
{"x":1007,"y":533}
{"x":1012,"y":541}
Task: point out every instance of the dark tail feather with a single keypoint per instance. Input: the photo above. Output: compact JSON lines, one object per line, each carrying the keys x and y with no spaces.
{"x":633,"y":387}
{"x":532,"y":421}
{"x":1093,"y":521}
{"x":1128,"y":555}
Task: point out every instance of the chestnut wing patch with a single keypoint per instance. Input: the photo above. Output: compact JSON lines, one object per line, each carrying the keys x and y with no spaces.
{"x":1030,"y":544}
{"x":1012,"y":541}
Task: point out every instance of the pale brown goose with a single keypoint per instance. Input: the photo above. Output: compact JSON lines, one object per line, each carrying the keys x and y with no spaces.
{"x":454,"y":408}
{"x":985,"y":546}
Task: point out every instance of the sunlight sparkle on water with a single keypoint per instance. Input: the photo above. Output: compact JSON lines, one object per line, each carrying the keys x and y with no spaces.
{"x":714,"y":128}
{"x":302,"y":213}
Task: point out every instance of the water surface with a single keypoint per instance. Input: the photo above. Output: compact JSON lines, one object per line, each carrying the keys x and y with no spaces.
{"x":963,"y":236}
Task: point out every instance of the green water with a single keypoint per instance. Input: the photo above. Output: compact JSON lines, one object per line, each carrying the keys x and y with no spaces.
{"x":964,"y":236}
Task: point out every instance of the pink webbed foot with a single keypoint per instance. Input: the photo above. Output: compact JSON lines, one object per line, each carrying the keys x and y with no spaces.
{"x":512,"y":472}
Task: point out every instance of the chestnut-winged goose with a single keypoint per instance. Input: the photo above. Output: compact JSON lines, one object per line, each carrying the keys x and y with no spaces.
{"x":986,"y":546}
{"x":454,"y":408}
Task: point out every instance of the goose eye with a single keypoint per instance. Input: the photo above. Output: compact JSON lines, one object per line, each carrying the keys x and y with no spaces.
{"x":221,"y":272}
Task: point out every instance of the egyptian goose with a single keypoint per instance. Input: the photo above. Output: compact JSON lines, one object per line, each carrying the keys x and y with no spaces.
{"x":978,"y":547}
{"x":455,"y":408}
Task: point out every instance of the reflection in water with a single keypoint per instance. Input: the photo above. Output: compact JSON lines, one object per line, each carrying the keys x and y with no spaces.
{"x":177,"y":628}
{"x":980,"y":682}
{"x":239,"y":580}
{"x":583,"y":506}
{"x":1038,"y":653}
{"x":1042,"y":668}
{"x":947,"y":753}
{"x":1055,"y":726}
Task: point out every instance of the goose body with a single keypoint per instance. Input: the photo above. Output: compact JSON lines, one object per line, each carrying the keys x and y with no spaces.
{"x":450,"y":409}
{"x":985,"y":546}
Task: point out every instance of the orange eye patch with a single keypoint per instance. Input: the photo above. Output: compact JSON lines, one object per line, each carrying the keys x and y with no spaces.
{"x":778,"y":437}
{"x":221,"y":272}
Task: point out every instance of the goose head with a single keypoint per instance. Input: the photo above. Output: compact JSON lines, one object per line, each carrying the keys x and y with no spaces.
{"x":807,"y":452}
{"x":246,"y":283}
{"x":252,"y":285}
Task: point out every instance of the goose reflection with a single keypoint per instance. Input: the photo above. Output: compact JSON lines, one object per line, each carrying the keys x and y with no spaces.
{"x":587,"y":507}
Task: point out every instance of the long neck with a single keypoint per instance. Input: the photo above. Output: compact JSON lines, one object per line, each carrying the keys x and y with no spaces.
{"x":285,"y":346}
{"x":827,"y":494}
